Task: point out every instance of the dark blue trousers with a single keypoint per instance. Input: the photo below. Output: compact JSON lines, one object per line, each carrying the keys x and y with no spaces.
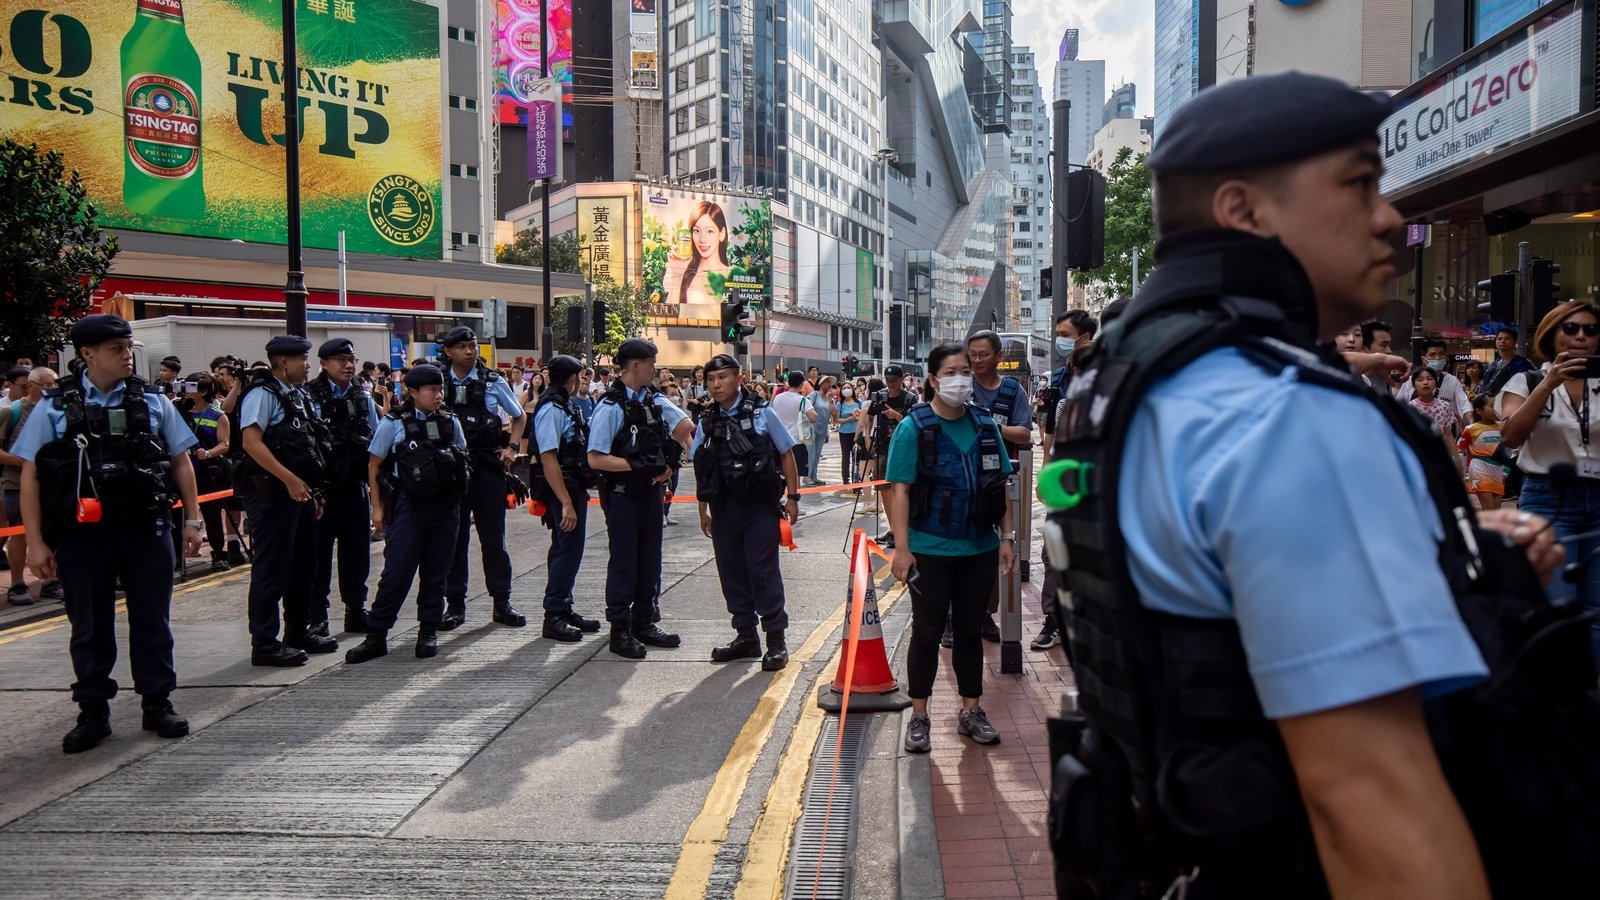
{"x":633,"y":571}
{"x":347,"y":520}
{"x":566,"y":552}
{"x":484,"y":504}
{"x":745,"y":536}
{"x":419,"y":537}
{"x":89,"y":558}
{"x":283,"y":536}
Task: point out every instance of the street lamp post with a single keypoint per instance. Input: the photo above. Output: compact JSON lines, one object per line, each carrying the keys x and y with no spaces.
{"x":886,"y":157}
{"x":294,"y":289}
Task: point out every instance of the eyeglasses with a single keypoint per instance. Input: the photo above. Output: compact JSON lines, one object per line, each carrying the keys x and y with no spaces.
{"x":1571,"y":328}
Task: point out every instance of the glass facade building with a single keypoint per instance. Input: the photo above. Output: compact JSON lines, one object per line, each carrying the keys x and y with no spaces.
{"x":1177,"y":56}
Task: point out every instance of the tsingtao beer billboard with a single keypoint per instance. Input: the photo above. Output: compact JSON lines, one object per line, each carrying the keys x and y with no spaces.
{"x":172,"y":111}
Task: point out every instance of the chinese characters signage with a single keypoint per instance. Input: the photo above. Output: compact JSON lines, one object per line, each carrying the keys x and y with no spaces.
{"x":603,"y":238}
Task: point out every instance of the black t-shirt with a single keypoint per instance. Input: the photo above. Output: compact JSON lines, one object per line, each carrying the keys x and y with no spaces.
{"x":881,"y":401}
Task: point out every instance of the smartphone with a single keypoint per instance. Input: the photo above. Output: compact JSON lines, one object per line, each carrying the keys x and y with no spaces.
{"x":1591,"y":367}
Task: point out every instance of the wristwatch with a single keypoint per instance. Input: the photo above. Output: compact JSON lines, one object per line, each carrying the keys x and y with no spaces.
{"x":793,"y":496}
{"x":194,"y":523}
{"x":1012,"y":537}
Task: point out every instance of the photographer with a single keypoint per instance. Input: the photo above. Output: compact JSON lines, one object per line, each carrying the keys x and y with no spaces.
{"x":212,"y":471}
{"x":227,"y":374}
{"x":886,"y":407}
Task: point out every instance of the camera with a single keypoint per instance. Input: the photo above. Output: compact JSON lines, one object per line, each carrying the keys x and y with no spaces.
{"x":878,"y":402}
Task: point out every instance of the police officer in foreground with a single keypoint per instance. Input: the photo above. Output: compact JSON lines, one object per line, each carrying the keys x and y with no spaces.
{"x":280,"y":479}
{"x":561,"y":480}
{"x":743,"y":460}
{"x":416,"y":476}
{"x":1281,"y":701}
{"x":102,"y":463}
{"x":630,"y":446}
{"x":477,"y":396}
{"x":350,"y":416}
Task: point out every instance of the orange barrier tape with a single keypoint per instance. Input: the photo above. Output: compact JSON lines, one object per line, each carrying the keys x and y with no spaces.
{"x":824,"y":489}
{"x":15,"y":530}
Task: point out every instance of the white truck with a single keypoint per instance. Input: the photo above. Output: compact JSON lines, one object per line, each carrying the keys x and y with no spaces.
{"x":196,"y":340}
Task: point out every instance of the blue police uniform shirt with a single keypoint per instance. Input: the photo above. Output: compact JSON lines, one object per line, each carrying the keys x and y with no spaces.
{"x":48,"y":421}
{"x":608,"y":419}
{"x":372,"y":405}
{"x":767,"y":423}
{"x":391,"y":431}
{"x":551,"y":426}
{"x":499,"y":398}
{"x":1255,"y":503}
{"x":262,"y":408}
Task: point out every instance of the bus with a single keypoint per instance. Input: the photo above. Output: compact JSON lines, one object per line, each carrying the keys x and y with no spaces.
{"x":1025,"y":357}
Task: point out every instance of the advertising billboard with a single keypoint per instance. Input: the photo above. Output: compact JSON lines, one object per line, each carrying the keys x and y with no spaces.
{"x":544,"y":130}
{"x":703,"y":249}
{"x":171,"y":111}
{"x":603,"y":238}
{"x":516,"y":56}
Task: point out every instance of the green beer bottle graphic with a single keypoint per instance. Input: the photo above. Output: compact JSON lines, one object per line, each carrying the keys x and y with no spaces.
{"x":161,"y":115}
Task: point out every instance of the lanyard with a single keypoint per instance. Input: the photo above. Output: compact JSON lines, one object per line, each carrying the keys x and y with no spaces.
{"x":1581,"y":412}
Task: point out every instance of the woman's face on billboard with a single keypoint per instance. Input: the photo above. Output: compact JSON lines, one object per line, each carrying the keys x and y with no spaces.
{"x":707,"y":237}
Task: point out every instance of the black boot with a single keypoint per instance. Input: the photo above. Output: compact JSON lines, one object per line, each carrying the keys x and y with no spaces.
{"x":319,"y":629}
{"x":160,"y":717}
{"x":653,"y":635}
{"x":745,"y":645}
{"x":268,"y":652}
{"x":375,"y":645}
{"x":624,"y":644}
{"x":455,"y":615}
{"x":428,"y":640}
{"x":506,"y":614}
{"x":94,"y":726}
{"x":355,"y":620}
{"x":777,"y":652}
{"x":236,"y":556}
{"x":587,"y":626}
{"x":310,"y":640}
{"x":557,"y":628}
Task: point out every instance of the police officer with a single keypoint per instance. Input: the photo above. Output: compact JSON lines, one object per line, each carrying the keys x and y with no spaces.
{"x":634,"y":424}
{"x":1254,"y":660}
{"x":477,"y":395}
{"x":420,"y":450}
{"x":100,"y":464}
{"x":561,"y":481}
{"x":743,"y":459}
{"x":348,"y":412}
{"x":280,"y":479}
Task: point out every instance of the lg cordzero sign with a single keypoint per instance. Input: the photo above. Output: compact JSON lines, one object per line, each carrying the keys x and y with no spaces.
{"x":1523,"y":85}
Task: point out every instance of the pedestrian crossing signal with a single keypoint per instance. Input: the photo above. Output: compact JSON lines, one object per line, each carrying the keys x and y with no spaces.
{"x":734,"y":325}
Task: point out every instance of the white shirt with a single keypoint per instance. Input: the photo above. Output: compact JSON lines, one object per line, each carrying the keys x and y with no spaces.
{"x":1450,"y":391}
{"x":787,"y":406}
{"x":1557,"y":437}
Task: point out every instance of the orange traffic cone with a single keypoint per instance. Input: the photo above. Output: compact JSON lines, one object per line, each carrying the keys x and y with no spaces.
{"x":871,"y":684}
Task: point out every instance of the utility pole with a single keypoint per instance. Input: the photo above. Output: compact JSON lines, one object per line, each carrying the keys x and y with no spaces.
{"x":294,"y":289}
{"x":549,"y":349}
{"x":1061,"y":280}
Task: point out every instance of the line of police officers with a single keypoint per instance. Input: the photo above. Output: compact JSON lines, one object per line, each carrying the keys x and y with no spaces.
{"x":107,"y":459}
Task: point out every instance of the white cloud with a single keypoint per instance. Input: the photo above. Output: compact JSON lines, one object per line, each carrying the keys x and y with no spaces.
{"x":1121,"y":32}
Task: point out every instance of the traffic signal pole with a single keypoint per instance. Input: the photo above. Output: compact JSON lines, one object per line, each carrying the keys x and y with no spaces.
{"x":1060,"y":278}
{"x":294,"y":289}
{"x":1525,"y":299}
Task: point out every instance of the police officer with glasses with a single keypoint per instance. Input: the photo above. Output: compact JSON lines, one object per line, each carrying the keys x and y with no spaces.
{"x":416,"y":475}
{"x":103,"y":462}
{"x":561,"y":481}
{"x":477,"y":395}
{"x":350,"y":416}
{"x":743,"y":460}
{"x":631,"y":445}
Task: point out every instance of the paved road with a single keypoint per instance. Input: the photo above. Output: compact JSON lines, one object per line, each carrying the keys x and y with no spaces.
{"x":508,"y":766}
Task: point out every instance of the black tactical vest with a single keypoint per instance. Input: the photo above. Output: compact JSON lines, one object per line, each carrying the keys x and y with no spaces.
{"x":1179,"y":754}
{"x":348,"y":426}
{"x":109,"y":453}
{"x":734,"y":461}
{"x":571,"y":455}
{"x":643,"y":439}
{"x":298,"y":440}
{"x":469,"y":402}
{"x":428,"y":466}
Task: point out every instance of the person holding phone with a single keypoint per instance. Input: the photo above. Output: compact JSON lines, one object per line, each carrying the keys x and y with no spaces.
{"x":1549,"y":416}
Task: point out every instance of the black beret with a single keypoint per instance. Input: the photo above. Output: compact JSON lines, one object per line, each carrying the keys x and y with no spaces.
{"x":1266,"y":120}
{"x":336,"y":346}
{"x":721,"y":361}
{"x":97,"y":329}
{"x":635,"y":348}
{"x":456,"y":335}
{"x":424,"y":375}
{"x":563,"y":367}
{"x":288,"y":345}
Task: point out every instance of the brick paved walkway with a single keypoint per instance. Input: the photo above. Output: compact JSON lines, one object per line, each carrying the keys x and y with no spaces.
{"x":989,"y":802}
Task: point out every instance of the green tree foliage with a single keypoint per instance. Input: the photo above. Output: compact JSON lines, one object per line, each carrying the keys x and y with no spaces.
{"x":528,"y":250}
{"x":625,"y":318}
{"x":1129,"y":224}
{"x":52,"y":254}
{"x":753,"y":255}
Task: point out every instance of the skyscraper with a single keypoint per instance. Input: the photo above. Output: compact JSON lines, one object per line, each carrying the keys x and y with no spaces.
{"x":1083,"y":82}
{"x":1069,"y":45}
{"x":1121,"y":105}
{"x":1198,"y":44}
{"x":1030,"y":189}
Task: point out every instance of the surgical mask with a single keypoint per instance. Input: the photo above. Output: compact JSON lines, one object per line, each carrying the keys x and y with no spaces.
{"x":847,"y":393}
{"x":1065,"y":346}
{"x":1437,"y":364}
{"x":955,"y":390}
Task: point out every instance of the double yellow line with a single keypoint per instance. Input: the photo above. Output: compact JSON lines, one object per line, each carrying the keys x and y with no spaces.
{"x":45,"y":626}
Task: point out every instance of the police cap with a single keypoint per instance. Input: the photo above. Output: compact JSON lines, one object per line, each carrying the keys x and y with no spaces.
{"x":97,"y":329}
{"x":563,"y":367}
{"x":635,"y":348}
{"x":424,"y":375}
{"x":721,"y":361}
{"x":456,"y":335}
{"x":288,"y":345}
{"x":336,"y":347}
{"x":1266,"y":120}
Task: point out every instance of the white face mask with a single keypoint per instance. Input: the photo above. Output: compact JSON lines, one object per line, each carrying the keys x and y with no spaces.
{"x":1065,"y":346}
{"x":955,"y":390}
{"x":847,"y":393}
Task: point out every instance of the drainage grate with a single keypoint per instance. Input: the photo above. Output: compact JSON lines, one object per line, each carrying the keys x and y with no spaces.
{"x":819,"y":866}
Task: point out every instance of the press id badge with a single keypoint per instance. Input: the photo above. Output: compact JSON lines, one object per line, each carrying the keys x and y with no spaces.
{"x":1589,"y":468}
{"x":990,"y":462}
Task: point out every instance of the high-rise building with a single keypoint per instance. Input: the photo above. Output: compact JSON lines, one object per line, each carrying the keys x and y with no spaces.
{"x":1083,"y":83}
{"x":1366,"y":43}
{"x":1069,"y":45}
{"x":1130,"y":133}
{"x":1199,"y":43}
{"x":1030,"y":189}
{"x":993,"y":100}
{"x":1122,"y":104}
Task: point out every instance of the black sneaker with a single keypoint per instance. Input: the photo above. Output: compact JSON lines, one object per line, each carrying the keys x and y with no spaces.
{"x":991,"y":631}
{"x":974,"y":723}
{"x":219,"y":562}
{"x":19,"y":596}
{"x":51,"y":590}
{"x":1049,"y":635}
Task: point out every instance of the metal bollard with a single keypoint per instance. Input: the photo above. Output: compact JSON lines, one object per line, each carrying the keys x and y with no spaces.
{"x":1011,"y":585}
{"x":1025,"y":515}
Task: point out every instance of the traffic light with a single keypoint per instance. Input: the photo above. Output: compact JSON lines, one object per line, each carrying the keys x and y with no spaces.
{"x":1085,"y":220}
{"x":1502,"y":293}
{"x":1046,"y":282}
{"x":849,"y":363}
{"x":598,"y":322}
{"x":734,"y":327}
{"x":1542,"y":286}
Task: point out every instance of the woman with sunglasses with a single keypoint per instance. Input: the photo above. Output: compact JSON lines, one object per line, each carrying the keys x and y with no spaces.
{"x":1548,"y":416}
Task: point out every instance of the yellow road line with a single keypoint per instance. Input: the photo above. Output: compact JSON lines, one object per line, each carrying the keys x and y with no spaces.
{"x":44,"y":626}
{"x":768,"y":854}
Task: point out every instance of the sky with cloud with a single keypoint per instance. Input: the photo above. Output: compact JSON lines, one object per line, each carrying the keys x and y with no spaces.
{"x":1121,"y":32}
